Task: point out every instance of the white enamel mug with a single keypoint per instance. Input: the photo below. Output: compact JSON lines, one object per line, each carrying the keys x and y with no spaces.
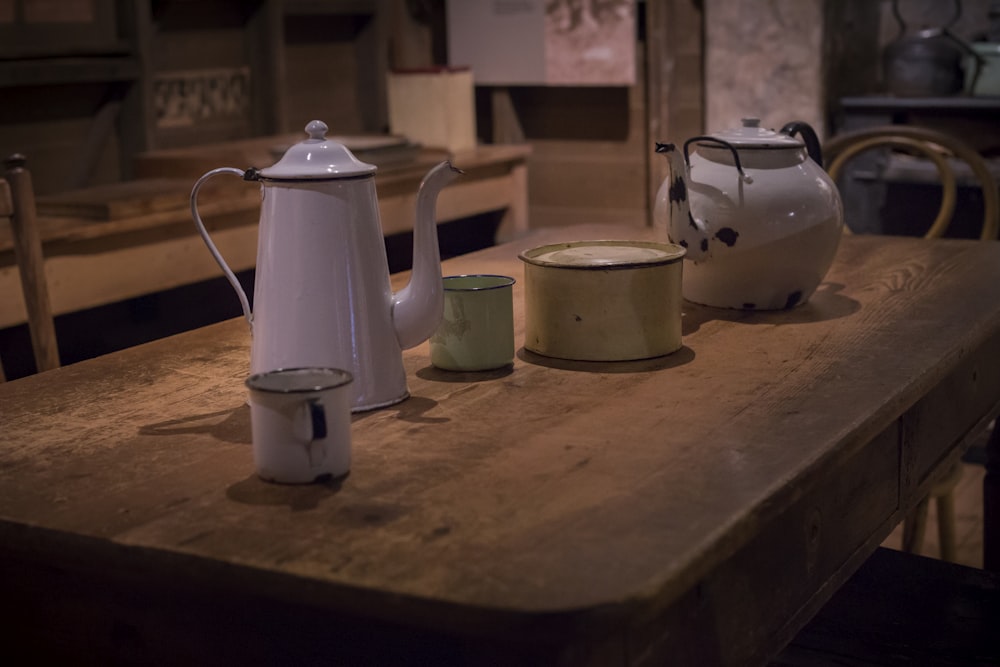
{"x":301,"y":424}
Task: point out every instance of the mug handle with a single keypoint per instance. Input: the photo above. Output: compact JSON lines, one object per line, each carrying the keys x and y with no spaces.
{"x":317,"y":418}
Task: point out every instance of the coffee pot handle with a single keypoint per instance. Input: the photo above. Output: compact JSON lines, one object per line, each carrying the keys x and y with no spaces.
{"x":248,"y":175}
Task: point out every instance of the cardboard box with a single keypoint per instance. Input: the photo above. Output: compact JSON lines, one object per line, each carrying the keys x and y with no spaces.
{"x":433,"y":107}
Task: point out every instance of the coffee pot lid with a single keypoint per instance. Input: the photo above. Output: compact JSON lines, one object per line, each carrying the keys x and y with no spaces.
{"x":752,"y":135}
{"x":317,"y":158}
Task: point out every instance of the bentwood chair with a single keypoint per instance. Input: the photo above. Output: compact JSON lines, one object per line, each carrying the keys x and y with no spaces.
{"x":944,"y":151}
{"x":17,"y":208}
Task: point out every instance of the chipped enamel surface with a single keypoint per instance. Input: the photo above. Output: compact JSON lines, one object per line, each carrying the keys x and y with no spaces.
{"x":760,"y":240}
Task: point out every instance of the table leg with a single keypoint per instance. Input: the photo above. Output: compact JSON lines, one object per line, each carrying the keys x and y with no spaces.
{"x":514,"y":223}
{"x":914,"y":526}
{"x":991,"y":502}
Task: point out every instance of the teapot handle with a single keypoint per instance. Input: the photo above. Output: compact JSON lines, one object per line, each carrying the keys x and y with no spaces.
{"x":809,"y":138}
{"x":723,"y":144}
{"x":902,"y":25}
{"x":247,"y":175}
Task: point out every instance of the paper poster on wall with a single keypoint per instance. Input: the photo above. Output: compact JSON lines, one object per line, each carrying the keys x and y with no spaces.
{"x":544,"y":42}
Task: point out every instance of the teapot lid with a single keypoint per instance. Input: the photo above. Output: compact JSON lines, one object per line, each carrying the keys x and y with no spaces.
{"x":317,"y":158}
{"x":752,"y":135}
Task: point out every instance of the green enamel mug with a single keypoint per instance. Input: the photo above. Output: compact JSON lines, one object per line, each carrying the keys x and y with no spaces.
{"x":477,"y":330}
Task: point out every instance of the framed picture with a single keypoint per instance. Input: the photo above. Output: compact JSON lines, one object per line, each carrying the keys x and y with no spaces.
{"x":544,"y":42}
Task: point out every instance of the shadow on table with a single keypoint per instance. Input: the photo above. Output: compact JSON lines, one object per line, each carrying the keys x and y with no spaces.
{"x":825,"y":304}
{"x":684,"y":355}
{"x":414,"y":409}
{"x":229,"y":425}
{"x":297,"y":497}
{"x":435,"y":374}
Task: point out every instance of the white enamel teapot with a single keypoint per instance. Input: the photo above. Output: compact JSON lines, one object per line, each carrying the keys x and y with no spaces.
{"x":758,"y":215}
{"x":322,"y":296}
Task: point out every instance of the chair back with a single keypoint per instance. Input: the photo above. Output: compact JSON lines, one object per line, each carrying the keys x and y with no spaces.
{"x":17,"y":208}
{"x":939,"y":147}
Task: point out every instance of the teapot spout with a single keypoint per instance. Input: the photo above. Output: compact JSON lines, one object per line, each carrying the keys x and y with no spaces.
{"x":672,"y":210}
{"x":417,"y":308}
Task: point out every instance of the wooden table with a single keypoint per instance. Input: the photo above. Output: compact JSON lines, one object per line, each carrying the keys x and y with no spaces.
{"x":95,"y":262}
{"x":694,"y":509}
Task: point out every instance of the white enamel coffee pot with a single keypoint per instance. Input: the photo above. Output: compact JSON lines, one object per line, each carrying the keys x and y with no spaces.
{"x":758,"y":215}
{"x":322,"y":296}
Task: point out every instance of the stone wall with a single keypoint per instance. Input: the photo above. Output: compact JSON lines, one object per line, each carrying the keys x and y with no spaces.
{"x":763,"y":59}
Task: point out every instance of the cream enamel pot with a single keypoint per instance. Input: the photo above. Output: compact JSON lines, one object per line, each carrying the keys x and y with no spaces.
{"x":603,"y":300}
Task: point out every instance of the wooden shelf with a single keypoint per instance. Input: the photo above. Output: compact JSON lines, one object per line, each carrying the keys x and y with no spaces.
{"x":78,"y":69}
{"x":145,"y":66}
{"x":312,"y":7}
{"x":954,"y":104}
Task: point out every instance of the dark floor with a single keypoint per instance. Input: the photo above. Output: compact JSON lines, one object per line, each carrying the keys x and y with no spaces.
{"x":98,"y":331}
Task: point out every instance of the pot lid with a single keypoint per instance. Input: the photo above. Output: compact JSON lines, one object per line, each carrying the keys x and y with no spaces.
{"x":752,"y":135}
{"x":317,"y":158}
{"x":603,"y":254}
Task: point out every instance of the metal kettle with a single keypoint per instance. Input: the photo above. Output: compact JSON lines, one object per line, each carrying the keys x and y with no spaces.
{"x":759,"y":217}
{"x":322,"y":295}
{"x":930,"y":62}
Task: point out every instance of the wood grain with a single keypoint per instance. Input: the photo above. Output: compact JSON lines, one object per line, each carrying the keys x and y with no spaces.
{"x":701,"y":505}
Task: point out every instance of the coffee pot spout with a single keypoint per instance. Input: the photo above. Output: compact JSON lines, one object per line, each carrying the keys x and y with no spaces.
{"x":417,"y":308}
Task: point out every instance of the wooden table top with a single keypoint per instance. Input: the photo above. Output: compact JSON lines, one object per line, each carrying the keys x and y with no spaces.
{"x":561,"y":497}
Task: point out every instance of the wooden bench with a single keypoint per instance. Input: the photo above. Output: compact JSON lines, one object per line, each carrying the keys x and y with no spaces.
{"x":112,"y":243}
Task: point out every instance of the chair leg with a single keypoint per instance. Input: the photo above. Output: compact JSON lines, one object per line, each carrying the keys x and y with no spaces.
{"x":991,"y":503}
{"x":31,"y":264}
{"x":945,"y":504}
{"x":914,"y":526}
{"x":944,"y":495}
